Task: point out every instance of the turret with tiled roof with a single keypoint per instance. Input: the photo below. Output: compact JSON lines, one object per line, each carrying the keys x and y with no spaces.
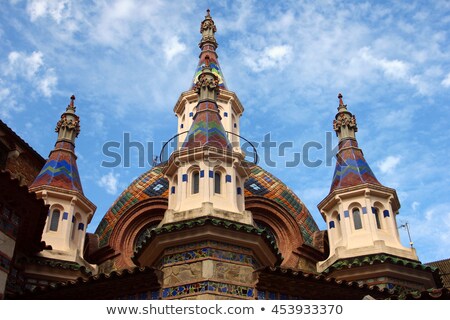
{"x":59,"y":185}
{"x":360,"y":214}
{"x":351,"y":167}
{"x":60,"y":170}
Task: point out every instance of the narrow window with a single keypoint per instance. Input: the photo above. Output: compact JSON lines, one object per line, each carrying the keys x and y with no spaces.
{"x":357,"y":219}
{"x":55,"y":220}
{"x":195,"y":182}
{"x":217,"y":178}
{"x":74,"y":223}
{"x":377,"y":217}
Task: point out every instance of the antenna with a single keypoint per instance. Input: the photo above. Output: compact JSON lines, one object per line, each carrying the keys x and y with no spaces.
{"x":406,"y":226}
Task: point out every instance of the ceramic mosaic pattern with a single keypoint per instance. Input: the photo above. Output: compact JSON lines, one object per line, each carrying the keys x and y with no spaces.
{"x":207,"y":128}
{"x":351,"y":167}
{"x":148,"y":185}
{"x":261,"y":183}
{"x":213,"y":253}
{"x":215,"y":68}
{"x":208,"y":287}
{"x":60,"y":170}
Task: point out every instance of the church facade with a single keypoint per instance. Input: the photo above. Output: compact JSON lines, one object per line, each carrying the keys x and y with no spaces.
{"x":206,"y":223}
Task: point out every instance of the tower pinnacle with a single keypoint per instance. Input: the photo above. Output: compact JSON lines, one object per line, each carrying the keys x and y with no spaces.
{"x":61,"y":169}
{"x":208,"y":46}
{"x":345,"y":122}
{"x":351,"y":167}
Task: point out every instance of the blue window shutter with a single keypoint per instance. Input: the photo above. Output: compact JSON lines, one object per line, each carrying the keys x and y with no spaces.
{"x":346,"y":214}
{"x":211,"y":174}
{"x":65,"y":215}
{"x":239,"y":190}
{"x":80,"y":226}
{"x":225,"y":114}
{"x":364,"y":210}
{"x":184,"y":179}
{"x":202,"y":173}
{"x":191,"y":114}
{"x":227,"y":178}
{"x":172,"y":190}
{"x":331,"y":224}
{"x":386,"y":213}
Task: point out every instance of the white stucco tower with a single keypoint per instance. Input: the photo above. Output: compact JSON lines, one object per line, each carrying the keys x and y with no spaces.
{"x":361,"y":219}
{"x":59,"y":185}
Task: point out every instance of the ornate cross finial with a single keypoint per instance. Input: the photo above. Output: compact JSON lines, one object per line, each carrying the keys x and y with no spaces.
{"x":72,"y":100}
{"x":207,"y":12}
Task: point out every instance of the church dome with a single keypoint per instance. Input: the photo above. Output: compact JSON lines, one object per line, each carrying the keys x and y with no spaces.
{"x":261,"y":186}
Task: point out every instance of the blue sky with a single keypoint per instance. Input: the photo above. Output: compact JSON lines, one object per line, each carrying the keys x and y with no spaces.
{"x":127,"y":62}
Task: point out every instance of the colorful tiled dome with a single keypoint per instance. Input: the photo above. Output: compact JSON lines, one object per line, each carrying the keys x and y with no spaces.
{"x":152,"y":184}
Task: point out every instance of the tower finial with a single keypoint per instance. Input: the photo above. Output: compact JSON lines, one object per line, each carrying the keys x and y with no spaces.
{"x":345,"y":122}
{"x":340,"y":96}
{"x":208,"y":46}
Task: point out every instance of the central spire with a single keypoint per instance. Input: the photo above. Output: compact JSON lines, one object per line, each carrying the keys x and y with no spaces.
{"x":208,"y":46}
{"x":207,"y":128}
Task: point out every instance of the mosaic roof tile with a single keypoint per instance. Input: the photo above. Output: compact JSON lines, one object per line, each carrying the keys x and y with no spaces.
{"x":260,"y":184}
{"x":207,"y":128}
{"x":148,"y":185}
{"x":351,"y":167}
{"x":263,"y":184}
{"x":61,"y":169}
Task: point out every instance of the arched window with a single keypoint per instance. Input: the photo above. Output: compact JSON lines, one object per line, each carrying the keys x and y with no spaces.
{"x":74,"y":226}
{"x":217,"y":181}
{"x":376,"y":213}
{"x":357,"y":219}
{"x":55,"y":220}
{"x":195,"y":182}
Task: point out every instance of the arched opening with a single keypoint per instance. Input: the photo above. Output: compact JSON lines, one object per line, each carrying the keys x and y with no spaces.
{"x":376,"y":213}
{"x":336,"y":219}
{"x":217,"y":182}
{"x":74,"y":227}
{"x":195,"y":182}
{"x":357,"y":222}
{"x":54,"y":220}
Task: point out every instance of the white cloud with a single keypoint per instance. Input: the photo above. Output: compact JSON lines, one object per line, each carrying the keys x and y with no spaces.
{"x":271,"y":57}
{"x":395,"y":69}
{"x":8,"y":102}
{"x":109,"y":182}
{"x":48,"y":83}
{"x":32,"y":68}
{"x":23,"y":65}
{"x":55,"y":9}
{"x":388,"y":165}
{"x":415,"y":205}
{"x":173,"y":47}
{"x":446,"y":81}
